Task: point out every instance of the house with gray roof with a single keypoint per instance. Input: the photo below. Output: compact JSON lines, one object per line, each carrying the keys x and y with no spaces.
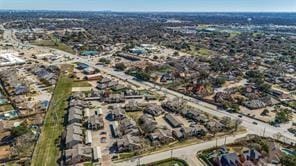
{"x":147,"y":123}
{"x":117,"y":114}
{"x":161,"y":136}
{"x":129,"y":126}
{"x":214,"y":126}
{"x":95,"y":122}
{"x":74,"y":135}
{"x":128,"y":143}
{"x":78,"y":154}
{"x":74,"y":115}
{"x":153,"y":109}
{"x":173,"y":121}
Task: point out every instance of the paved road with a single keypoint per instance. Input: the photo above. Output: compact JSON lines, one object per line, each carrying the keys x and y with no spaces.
{"x":186,"y":153}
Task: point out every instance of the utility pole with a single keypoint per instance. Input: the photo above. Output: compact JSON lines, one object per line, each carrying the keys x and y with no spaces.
{"x":225,"y":141}
{"x":171,"y":156}
{"x":139,"y":161}
{"x":216,"y":142}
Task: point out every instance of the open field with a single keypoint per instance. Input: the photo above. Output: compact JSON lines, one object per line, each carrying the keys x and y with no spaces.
{"x":53,"y":44}
{"x":47,"y":149}
{"x":200,"y":51}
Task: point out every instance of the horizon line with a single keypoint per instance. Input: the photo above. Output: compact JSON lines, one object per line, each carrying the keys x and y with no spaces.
{"x":125,"y":11}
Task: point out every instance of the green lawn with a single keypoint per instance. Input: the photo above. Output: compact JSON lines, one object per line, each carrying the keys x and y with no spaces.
{"x":200,"y":51}
{"x":47,"y":151}
{"x":168,"y":162}
{"x":81,"y":84}
{"x":203,"y":52}
{"x":126,"y":155}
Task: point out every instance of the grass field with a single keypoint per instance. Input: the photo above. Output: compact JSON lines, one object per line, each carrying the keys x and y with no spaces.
{"x":53,"y":44}
{"x":47,"y":151}
{"x":200,"y":51}
{"x":81,"y":84}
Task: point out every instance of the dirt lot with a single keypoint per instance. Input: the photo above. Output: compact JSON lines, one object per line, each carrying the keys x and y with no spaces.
{"x":4,"y":151}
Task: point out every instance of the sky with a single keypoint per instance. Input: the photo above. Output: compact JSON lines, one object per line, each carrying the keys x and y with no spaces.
{"x":154,"y":5}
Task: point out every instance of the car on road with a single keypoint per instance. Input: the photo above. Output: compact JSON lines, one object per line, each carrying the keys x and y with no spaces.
{"x":255,"y":123}
{"x":103,"y":133}
{"x":240,"y":116}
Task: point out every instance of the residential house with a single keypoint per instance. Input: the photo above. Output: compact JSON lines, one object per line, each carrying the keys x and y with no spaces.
{"x":95,"y":122}
{"x":167,"y":77}
{"x":173,"y":121}
{"x":275,"y":153}
{"x":132,"y":106}
{"x":21,"y":89}
{"x":147,"y":123}
{"x":260,"y":103}
{"x":153,"y":109}
{"x":74,"y":135}
{"x":161,"y":136}
{"x":74,"y":115}
{"x":128,"y":143}
{"x":195,"y":115}
{"x":78,"y":103}
{"x":173,"y":106}
{"x":229,"y":159}
{"x":115,"y":98}
{"x":117,"y":114}
{"x":195,"y":131}
{"x":214,"y":126}
{"x":129,"y":126}
{"x":78,"y":154}
{"x":251,"y":155}
{"x":105,"y":80}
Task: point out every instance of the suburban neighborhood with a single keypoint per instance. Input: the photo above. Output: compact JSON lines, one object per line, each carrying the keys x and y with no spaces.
{"x":129,"y":89}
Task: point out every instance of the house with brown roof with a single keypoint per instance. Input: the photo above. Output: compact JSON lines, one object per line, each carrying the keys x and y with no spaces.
{"x":128,"y":143}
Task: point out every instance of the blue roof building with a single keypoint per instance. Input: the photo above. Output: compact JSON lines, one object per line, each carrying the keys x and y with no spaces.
{"x":82,"y":66}
{"x":89,"y":53}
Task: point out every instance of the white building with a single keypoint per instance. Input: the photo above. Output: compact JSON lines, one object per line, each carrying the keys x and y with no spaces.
{"x":8,"y":58}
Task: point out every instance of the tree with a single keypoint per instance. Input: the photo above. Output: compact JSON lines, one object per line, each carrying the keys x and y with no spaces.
{"x":237,"y":123}
{"x":120,"y":66}
{"x":288,"y":160}
{"x":155,"y":57}
{"x":219,"y":81}
{"x":19,"y":130}
{"x":264,"y":112}
{"x":264,"y":87}
{"x":142,"y":75}
{"x":176,"y":53}
{"x":227,"y":122}
{"x":283,"y":116}
{"x":104,"y":60}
